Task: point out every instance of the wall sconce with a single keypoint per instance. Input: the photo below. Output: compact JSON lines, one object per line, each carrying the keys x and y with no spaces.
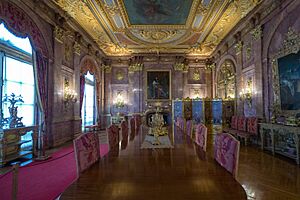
{"x":119,"y":100}
{"x":246,"y":94}
{"x":69,"y":94}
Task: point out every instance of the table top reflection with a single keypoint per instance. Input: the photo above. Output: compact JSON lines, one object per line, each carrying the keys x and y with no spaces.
{"x":182,"y":172}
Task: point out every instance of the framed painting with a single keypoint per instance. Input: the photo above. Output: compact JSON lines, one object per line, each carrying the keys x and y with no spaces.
{"x":158,"y":85}
{"x":286,"y":76}
{"x":289,"y":81}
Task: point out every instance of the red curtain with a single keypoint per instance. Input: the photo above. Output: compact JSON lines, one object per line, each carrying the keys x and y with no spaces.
{"x":82,"y":83}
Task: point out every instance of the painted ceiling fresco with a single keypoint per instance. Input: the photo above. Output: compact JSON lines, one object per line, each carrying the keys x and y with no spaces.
{"x":125,"y":27}
{"x":164,"y":12}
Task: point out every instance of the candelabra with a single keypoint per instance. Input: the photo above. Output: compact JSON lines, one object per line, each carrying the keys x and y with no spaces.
{"x":13,"y":120}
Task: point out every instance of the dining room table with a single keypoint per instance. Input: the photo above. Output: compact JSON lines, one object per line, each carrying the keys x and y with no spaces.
{"x":181,"y":171}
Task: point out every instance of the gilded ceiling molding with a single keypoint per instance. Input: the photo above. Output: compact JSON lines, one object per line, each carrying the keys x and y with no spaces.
{"x":102,"y":20}
{"x":158,"y":35}
{"x":59,"y":34}
{"x":257,"y":33}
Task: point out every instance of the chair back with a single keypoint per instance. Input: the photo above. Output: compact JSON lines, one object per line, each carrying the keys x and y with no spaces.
{"x":242,"y":123}
{"x":124,"y":130}
{"x":113,"y":136}
{"x":226,"y":152}
{"x":252,"y":125}
{"x":132,"y":128}
{"x":234,"y":122}
{"x":189,"y":127}
{"x":138,"y":123}
{"x":201,"y":136}
{"x":86,"y":148}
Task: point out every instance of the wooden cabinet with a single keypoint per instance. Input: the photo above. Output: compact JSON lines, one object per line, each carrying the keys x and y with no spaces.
{"x":11,"y":141}
{"x":281,"y":139}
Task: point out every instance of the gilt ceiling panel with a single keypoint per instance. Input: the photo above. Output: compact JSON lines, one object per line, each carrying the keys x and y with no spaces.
{"x":124,"y":27}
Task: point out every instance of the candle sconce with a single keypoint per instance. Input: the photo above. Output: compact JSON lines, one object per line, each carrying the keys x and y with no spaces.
{"x":246,"y":93}
{"x":119,"y":100}
{"x":69,"y":94}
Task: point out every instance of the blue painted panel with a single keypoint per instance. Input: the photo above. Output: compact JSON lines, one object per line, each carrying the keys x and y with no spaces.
{"x":178,"y":109}
{"x":217,"y":111}
{"x":198,"y":111}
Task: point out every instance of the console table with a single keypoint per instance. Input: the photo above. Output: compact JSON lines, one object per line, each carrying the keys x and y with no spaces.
{"x":10,"y":143}
{"x":281,"y":139}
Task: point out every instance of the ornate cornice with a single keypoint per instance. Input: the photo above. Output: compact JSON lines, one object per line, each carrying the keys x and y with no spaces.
{"x":109,"y":26}
{"x":135,"y":67}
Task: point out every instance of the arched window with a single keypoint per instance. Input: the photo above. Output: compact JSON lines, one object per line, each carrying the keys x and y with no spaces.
{"x":88,"y":112}
{"x":17,"y":78}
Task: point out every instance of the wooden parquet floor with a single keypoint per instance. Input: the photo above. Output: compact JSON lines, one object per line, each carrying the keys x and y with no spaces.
{"x":264,"y":176}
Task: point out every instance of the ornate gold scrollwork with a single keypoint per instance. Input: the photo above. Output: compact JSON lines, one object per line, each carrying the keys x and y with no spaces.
{"x":196,"y":75}
{"x":238,"y":47}
{"x":257,"y":33}
{"x":290,"y":45}
{"x":59,"y":34}
{"x":107,"y":68}
{"x":119,"y":75}
{"x":77,"y":48}
{"x":158,"y":35}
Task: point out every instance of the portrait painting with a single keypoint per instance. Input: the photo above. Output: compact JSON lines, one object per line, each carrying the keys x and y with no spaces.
{"x":158,"y":85}
{"x":289,"y":81}
{"x":158,"y":12}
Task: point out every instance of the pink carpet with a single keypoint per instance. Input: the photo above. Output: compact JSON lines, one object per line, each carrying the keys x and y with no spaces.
{"x":44,"y":180}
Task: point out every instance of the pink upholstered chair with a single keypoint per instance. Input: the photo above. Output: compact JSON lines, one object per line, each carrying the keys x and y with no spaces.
{"x":226,"y":152}
{"x":252,"y":130}
{"x":86,"y":148}
{"x":233,"y":125}
{"x":241,"y":126}
{"x":113,"y":136}
{"x":234,"y":122}
{"x":138,"y":123}
{"x":189,"y":127}
{"x":132,"y":128}
{"x":124,"y":130}
{"x":201,"y":136}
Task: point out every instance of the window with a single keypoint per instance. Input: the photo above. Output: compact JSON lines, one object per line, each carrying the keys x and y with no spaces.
{"x":16,"y":71}
{"x":89,"y":106}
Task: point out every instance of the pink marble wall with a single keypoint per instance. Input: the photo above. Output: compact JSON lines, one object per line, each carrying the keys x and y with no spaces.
{"x":254,"y":61}
{"x":182,"y":85}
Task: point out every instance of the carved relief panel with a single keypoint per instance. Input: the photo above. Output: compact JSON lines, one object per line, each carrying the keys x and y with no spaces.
{"x":119,"y":75}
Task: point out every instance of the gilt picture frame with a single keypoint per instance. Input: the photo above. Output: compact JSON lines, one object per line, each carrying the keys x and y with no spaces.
{"x":286,"y":76}
{"x":158,"y":85}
